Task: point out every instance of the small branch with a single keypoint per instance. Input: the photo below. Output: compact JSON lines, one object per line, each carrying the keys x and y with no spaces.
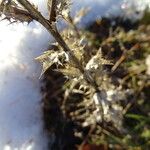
{"x":124,"y":55}
{"x":87,"y":136}
{"x":52,"y":12}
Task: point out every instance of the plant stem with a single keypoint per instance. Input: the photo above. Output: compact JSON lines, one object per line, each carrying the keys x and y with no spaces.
{"x":52,"y":4}
{"x":47,"y":24}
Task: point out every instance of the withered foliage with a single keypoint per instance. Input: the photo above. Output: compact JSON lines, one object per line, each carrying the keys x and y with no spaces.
{"x":13,"y":12}
{"x":95,"y":99}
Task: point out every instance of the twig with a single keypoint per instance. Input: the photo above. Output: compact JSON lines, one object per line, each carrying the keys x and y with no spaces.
{"x":52,"y":12}
{"x":87,"y":136}
{"x":124,"y":55}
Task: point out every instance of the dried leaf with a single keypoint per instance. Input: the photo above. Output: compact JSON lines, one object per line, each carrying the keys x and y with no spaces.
{"x":46,"y":65}
{"x":70,"y":72}
{"x":97,"y":61}
{"x":12,"y":10}
{"x":75,"y":44}
{"x":49,"y":58}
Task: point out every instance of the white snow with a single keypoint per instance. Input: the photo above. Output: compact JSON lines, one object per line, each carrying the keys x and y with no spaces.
{"x":21,"y":124}
{"x":20,"y":98}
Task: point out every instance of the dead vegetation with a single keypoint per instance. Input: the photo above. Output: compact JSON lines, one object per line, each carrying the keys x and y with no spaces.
{"x":97,"y":93}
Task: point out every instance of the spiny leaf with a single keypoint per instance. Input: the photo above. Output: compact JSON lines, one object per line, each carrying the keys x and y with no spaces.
{"x":12,"y":10}
{"x":46,"y":65}
{"x":49,"y":58}
{"x":75,"y":44}
{"x":97,"y":61}
{"x":44,"y":56}
{"x":70,"y":72}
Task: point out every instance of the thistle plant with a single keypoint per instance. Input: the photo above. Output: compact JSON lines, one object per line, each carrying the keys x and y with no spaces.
{"x":94,"y":98}
{"x":71,"y":53}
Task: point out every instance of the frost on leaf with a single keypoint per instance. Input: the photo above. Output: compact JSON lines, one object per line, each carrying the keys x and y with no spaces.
{"x":49,"y":58}
{"x":97,"y":61}
{"x":75,"y":44}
